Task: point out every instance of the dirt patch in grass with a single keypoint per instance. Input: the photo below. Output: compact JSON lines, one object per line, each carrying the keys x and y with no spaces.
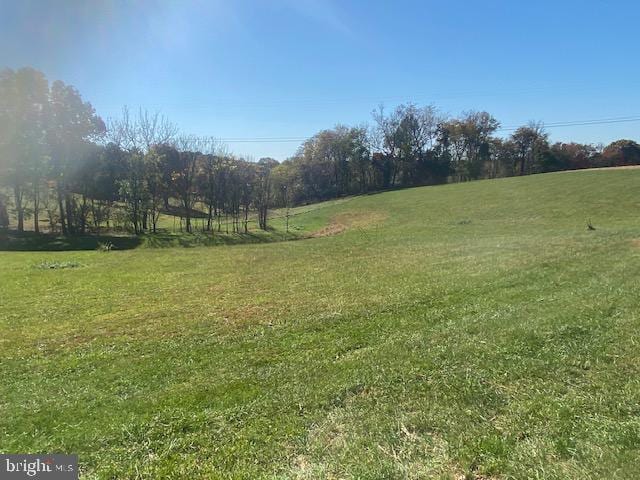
{"x":636,"y":242}
{"x":329,"y":230}
{"x":348,"y":220}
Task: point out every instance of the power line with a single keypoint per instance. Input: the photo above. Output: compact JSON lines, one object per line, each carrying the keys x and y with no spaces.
{"x":570,"y":123}
{"x":573,"y":123}
{"x":264,"y":140}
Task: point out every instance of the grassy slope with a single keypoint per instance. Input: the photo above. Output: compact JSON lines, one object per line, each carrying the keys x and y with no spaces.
{"x":474,"y":329}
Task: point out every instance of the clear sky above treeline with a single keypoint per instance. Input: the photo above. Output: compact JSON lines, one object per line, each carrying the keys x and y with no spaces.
{"x":273,"y":72}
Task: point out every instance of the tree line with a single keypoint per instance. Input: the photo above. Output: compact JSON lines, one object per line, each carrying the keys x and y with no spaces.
{"x":411,"y":146}
{"x":59,"y":159}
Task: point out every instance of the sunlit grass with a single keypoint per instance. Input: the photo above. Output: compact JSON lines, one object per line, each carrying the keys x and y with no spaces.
{"x":474,"y":330}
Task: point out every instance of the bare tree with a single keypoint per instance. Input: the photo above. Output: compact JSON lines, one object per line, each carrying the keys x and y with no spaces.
{"x":209,"y":171}
{"x":263,"y":193}
{"x":154,"y":129}
{"x":387,"y":141}
{"x":190,"y":148}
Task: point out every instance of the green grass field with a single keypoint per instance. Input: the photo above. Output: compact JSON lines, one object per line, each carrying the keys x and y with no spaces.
{"x":473,"y":330}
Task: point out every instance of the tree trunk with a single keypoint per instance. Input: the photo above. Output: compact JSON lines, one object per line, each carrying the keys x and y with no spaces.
{"x":19,"y":208}
{"x":36,"y":209}
{"x":287,"y":224}
{"x":63,"y":223}
{"x":83,"y":216}
{"x":70,"y":223}
{"x":135,"y":219}
{"x":93,"y":214}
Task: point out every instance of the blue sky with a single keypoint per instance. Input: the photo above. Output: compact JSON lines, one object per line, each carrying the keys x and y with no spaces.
{"x":288,"y":68}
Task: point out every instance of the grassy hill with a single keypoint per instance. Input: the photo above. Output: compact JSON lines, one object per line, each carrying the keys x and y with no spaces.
{"x":472,"y":330}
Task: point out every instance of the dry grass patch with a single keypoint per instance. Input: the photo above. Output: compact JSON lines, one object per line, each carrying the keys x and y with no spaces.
{"x":349,"y":220}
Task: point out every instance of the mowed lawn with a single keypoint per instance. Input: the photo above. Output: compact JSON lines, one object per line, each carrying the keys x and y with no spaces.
{"x":475,"y":330}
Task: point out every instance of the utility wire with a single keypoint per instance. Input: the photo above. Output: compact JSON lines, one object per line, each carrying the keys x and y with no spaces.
{"x":571,"y":123}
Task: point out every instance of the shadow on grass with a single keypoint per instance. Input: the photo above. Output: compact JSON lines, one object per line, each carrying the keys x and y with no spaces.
{"x":32,"y":242}
{"x":181,"y":212}
{"x":198,"y":239}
